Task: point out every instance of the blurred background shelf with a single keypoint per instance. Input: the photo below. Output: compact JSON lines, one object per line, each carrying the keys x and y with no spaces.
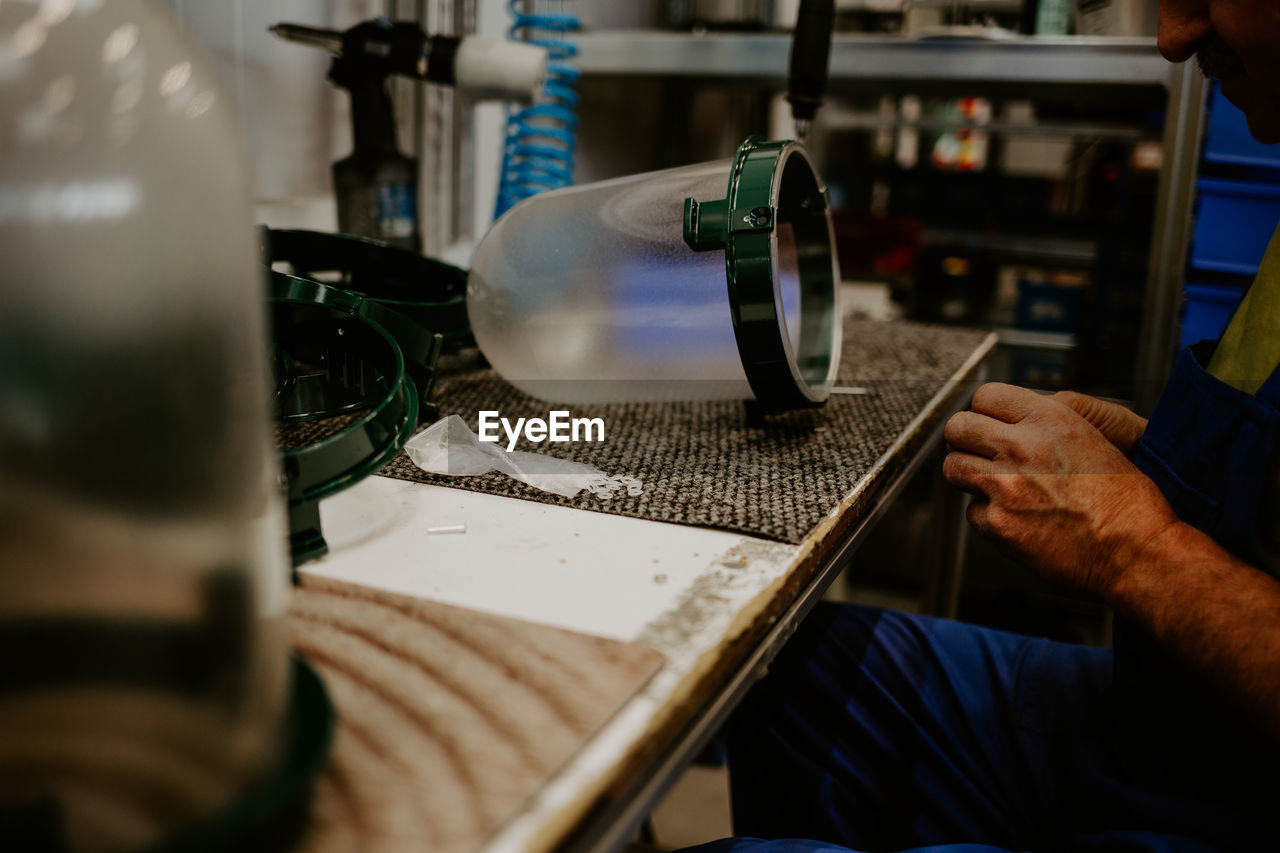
{"x":1086,"y":155}
{"x":1018,"y":60}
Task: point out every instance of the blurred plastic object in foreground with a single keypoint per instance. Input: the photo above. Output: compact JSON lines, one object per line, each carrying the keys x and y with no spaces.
{"x":142,"y":568}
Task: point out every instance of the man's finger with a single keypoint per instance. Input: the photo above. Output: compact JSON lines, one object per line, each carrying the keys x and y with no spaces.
{"x":968,"y":472}
{"x":1007,"y":403}
{"x":1122,"y":427}
{"x":975,"y":433}
{"x":977,"y":512}
{"x":1084,"y":405}
{"x":1098,"y":413}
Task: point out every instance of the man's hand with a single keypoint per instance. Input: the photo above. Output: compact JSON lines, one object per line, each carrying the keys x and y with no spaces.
{"x":1053,"y":489}
{"x":1117,"y":424}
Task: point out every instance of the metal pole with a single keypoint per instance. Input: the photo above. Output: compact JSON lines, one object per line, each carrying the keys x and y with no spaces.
{"x":1170,"y":234}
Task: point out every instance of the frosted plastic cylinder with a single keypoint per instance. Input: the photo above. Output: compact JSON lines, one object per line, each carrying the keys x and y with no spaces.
{"x":590,"y":294}
{"x":143,"y":574}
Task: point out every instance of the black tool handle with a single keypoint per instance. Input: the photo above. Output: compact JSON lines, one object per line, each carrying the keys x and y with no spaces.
{"x":810,"y":52}
{"x":384,"y":47}
{"x":372,"y":119}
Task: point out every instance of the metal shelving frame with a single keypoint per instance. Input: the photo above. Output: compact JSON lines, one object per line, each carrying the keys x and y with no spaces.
{"x":1022,"y":62}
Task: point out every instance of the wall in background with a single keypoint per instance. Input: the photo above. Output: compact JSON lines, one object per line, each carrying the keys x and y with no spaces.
{"x":294,"y":123}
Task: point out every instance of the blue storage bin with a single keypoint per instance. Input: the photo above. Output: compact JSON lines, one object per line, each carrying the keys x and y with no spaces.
{"x":1207,"y":311}
{"x":1234,"y":223}
{"x":1227,"y":138}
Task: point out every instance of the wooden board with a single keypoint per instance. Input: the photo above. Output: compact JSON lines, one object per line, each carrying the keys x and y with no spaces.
{"x":449,"y":719}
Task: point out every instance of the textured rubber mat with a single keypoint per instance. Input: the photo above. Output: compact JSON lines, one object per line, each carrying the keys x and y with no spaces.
{"x":705,"y":464}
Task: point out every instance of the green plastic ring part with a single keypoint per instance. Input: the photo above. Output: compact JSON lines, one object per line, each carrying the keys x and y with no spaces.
{"x":362,"y":362}
{"x":420,"y":347}
{"x":773,"y":185}
{"x":428,"y":291}
{"x":273,"y":812}
{"x":270,"y":813}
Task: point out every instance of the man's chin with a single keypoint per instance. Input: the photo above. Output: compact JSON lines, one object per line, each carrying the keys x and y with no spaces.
{"x":1262,"y":113}
{"x":1266,"y":131}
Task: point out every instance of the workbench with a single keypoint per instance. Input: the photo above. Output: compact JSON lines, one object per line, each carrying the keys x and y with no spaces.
{"x":685,"y":616}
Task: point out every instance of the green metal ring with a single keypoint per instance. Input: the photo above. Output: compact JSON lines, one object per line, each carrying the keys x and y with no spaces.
{"x":426,"y":290}
{"x":773,"y":183}
{"x":274,"y":811}
{"x":271,"y":812}
{"x":419,"y":346}
{"x":371,"y":369}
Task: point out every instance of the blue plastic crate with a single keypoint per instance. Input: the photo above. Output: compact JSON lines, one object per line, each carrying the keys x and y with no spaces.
{"x":1234,"y":223}
{"x":1207,"y":311}
{"x":1227,"y":138}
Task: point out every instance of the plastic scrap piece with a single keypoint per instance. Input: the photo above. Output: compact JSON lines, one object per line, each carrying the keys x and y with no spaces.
{"x":450,"y":447}
{"x":605,"y":488}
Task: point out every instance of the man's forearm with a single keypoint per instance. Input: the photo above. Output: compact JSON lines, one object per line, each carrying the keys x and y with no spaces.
{"x":1210,"y":609}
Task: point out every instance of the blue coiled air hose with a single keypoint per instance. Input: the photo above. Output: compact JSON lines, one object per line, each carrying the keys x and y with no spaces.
{"x":538,"y":150}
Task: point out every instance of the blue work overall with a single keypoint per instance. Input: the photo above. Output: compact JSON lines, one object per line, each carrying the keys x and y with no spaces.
{"x":886,"y":731}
